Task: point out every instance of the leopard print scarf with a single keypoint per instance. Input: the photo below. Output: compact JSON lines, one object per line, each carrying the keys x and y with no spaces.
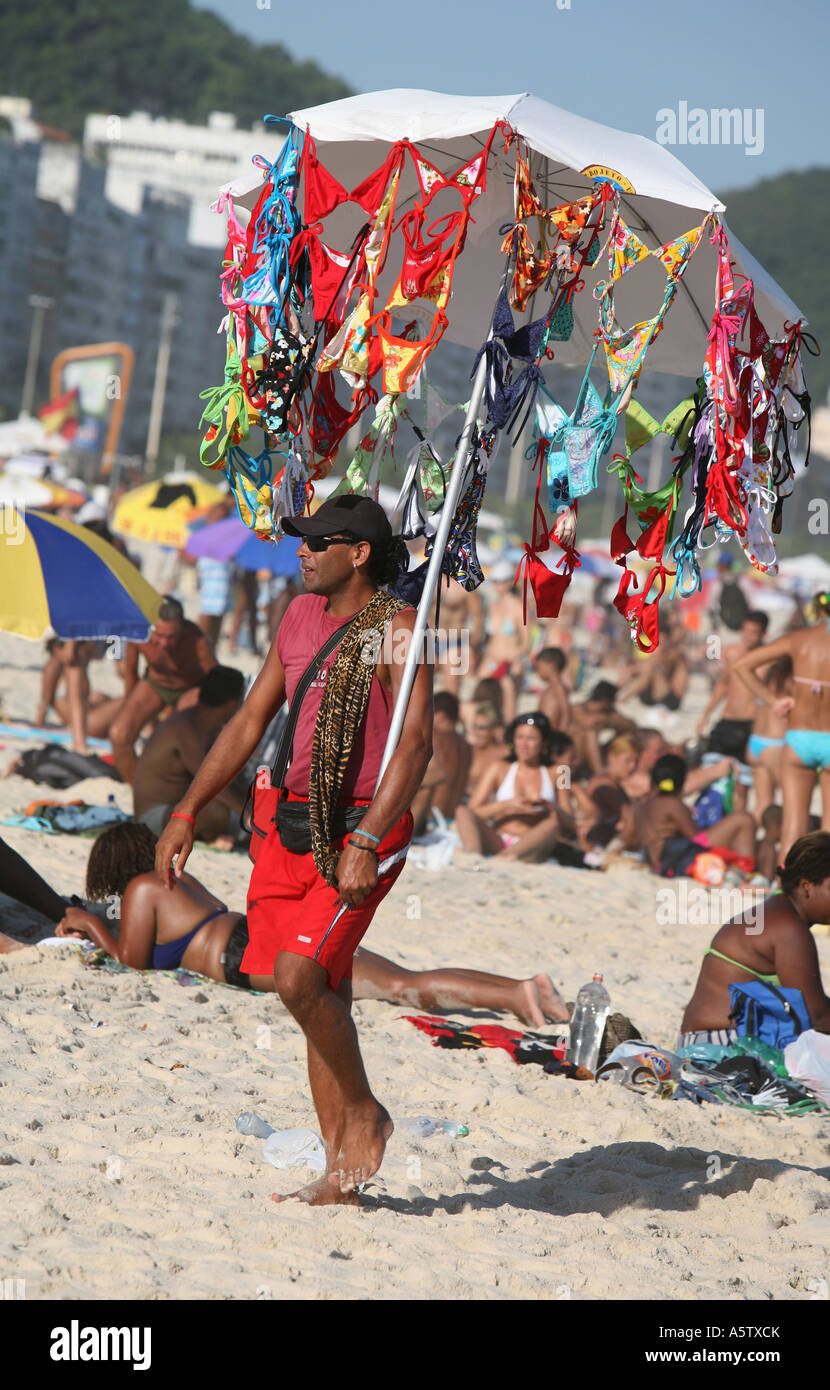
{"x":342,"y":707}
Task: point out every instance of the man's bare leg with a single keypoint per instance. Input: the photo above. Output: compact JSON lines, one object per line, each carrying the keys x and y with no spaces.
{"x":302,"y":985}
{"x":328,"y":1103}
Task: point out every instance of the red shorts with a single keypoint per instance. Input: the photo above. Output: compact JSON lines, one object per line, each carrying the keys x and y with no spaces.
{"x":290,"y":907}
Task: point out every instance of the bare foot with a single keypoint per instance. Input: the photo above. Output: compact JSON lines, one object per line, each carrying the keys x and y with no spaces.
{"x":365,"y":1135}
{"x":553,"y":1005}
{"x":320,"y":1193}
{"x":528,"y":1006}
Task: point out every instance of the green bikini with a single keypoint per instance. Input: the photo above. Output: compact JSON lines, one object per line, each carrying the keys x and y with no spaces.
{"x":767,"y":979}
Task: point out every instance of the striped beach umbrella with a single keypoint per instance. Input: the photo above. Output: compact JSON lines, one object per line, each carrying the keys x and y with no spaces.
{"x":58,"y":579}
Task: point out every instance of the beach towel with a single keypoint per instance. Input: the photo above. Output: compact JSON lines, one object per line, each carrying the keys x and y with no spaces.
{"x":522,"y":1047}
{"x":96,"y":959}
{"x":46,"y":735}
{"x":75,"y":818}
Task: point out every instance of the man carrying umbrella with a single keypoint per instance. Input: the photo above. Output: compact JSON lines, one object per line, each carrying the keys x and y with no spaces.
{"x":339,"y":838}
{"x":178,"y":655}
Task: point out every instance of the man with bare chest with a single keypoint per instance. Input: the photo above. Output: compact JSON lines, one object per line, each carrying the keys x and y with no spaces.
{"x":178,"y":655}
{"x":731,"y":733}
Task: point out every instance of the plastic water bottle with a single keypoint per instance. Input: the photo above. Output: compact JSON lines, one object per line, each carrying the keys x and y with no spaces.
{"x":249,"y":1123}
{"x":422,"y":1126}
{"x":593,"y":1004}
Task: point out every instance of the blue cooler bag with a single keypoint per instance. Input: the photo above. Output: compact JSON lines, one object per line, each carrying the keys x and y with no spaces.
{"x":764,"y":1011}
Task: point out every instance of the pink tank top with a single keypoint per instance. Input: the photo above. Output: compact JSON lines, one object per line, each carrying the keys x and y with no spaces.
{"x":302,"y":632}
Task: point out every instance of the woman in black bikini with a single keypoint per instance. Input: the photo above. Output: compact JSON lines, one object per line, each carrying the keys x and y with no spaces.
{"x":188,"y":926}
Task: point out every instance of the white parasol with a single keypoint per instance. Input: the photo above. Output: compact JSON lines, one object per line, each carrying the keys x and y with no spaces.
{"x":667,"y":200}
{"x":660,"y":200}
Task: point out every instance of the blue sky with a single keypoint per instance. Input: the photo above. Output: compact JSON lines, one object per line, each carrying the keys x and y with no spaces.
{"x":620,"y":63}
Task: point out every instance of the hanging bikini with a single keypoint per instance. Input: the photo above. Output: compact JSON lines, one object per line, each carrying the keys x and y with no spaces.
{"x":227,"y":413}
{"x":625,"y":349}
{"x":549,"y":583}
{"x":460,"y":561}
{"x":428,"y":265}
{"x":583,"y":438}
{"x":354,"y":349}
{"x":535,"y":262}
{"x":508,"y":395}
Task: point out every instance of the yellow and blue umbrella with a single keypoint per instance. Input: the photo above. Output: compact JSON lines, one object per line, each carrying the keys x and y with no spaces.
{"x":59,"y":579}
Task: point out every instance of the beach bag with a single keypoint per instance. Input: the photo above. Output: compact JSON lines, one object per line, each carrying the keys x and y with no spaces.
{"x":709,"y":808}
{"x":759,"y":1010}
{"x":260,"y":810}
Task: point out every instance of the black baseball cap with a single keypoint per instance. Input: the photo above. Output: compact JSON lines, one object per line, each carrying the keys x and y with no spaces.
{"x":361,"y":516}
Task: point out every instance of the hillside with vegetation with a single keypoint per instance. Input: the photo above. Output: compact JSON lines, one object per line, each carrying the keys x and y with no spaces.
{"x":781,"y":222}
{"x":71,"y":57}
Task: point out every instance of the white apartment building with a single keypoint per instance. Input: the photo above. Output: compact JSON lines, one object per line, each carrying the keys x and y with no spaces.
{"x":174,"y":157}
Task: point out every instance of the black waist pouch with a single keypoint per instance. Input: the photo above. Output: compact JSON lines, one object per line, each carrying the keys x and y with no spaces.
{"x":294,"y":827}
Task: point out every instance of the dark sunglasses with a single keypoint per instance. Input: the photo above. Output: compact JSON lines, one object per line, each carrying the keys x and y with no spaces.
{"x":318,"y":543}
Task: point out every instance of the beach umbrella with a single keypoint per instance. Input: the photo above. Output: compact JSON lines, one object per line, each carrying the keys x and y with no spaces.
{"x":230,"y":540}
{"x":279,"y":557}
{"x":28,"y":433}
{"x":659,"y":198}
{"x":37,"y":464}
{"x":21,"y":490}
{"x":806,"y":574}
{"x":163,"y":511}
{"x":221,"y":540}
{"x":58,"y":579}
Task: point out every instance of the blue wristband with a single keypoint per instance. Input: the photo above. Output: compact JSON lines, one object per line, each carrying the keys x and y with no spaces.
{"x":367,"y":834}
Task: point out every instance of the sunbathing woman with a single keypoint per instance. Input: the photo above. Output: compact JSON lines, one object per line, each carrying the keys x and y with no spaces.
{"x":806,"y":753}
{"x":189,"y":927}
{"x":515,"y":796}
{"x":783,"y":953}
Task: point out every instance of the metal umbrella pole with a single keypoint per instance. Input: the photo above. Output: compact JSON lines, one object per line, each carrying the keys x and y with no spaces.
{"x":422,"y":618}
{"x":433,"y":576}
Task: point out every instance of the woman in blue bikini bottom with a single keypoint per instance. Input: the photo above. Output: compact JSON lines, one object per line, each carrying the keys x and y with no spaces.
{"x":806,"y":753}
{"x":199,"y":934}
{"x":765,"y":745}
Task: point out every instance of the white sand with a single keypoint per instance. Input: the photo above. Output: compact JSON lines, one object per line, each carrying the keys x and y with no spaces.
{"x":123,"y":1175}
